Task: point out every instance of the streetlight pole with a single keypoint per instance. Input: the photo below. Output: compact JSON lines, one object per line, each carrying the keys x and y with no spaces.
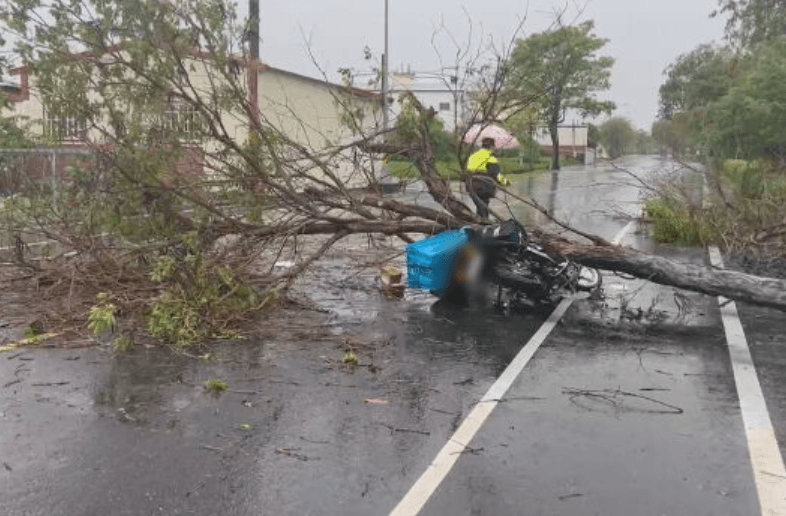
{"x":385,"y":63}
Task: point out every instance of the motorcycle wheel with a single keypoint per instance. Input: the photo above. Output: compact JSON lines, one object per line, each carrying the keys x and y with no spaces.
{"x":589,"y":279}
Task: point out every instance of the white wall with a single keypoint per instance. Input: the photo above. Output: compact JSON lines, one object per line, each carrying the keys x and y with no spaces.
{"x":432,"y":93}
{"x":575,"y":136}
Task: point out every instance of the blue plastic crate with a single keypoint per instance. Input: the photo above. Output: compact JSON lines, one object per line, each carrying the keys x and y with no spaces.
{"x":430,"y":261}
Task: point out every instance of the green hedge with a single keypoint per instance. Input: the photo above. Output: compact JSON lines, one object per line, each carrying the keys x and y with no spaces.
{"x":450,"y":169}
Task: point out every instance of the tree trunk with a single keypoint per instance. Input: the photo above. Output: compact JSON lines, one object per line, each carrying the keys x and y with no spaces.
{"x":554,"y":129}
{"x":555,"y":118}
{"x":734,"y":285}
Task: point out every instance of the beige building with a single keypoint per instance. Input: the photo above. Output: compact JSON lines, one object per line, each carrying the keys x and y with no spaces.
{"x":308,"y":111}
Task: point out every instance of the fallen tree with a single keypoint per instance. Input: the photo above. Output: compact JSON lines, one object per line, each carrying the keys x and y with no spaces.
{"x":193,"y":255}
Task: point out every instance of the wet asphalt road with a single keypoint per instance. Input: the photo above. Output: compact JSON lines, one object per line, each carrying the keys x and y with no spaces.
{"x":629,"y":408}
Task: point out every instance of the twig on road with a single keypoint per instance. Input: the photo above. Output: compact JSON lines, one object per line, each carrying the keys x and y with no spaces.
{"x":472,"y":451}
{"x":291,"y":452}
{"x":404,"y":430}
{"x":610,"y":396}
{"x":210,"y":448}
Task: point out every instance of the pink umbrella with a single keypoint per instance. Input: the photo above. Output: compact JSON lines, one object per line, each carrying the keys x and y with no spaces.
{"x":502,"y":138}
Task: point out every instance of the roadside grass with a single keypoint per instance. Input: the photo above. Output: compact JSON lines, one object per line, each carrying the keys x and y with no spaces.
{"x":744,"y":211}
{"x":675,"y":222}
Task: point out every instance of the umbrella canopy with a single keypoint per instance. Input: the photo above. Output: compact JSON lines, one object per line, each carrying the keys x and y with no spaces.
{"x":502,"y":138}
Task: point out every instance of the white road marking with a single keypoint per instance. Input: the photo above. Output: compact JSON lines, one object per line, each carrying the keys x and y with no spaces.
{"x":768,"y":469}
{"x":418,"y":495}
{"x":416,"y":498}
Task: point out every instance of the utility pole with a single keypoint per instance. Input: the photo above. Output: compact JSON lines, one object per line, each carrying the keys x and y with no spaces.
{"x":385,"y":63}
{"x":252,"y":67}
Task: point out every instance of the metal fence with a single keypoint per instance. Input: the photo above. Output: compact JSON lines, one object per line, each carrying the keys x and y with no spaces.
{"x":21,"y":169}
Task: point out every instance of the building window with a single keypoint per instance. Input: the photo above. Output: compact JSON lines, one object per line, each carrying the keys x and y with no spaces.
{"x":64,"y":124}
{"x":182,"y":119}
{"x":444,"y":106}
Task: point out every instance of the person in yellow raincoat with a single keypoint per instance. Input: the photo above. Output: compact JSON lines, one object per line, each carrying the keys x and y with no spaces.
{"x":484,"y":174}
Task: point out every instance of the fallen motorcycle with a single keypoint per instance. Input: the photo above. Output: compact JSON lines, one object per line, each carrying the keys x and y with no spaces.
{"x":498,"y":264}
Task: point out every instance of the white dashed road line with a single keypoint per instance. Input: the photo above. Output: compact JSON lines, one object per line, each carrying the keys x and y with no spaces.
{"x":768,"y":469}
{"x":430,"y":480}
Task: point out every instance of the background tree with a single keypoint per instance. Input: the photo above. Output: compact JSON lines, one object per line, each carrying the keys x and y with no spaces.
{"x":696,"y":79}
{"x":751,"y":22}
{"x":563,"y":69}
{"x":618,"y":137}
{"x":523,"y":126}
{"x":726,"y":107}
{"x":750,"y":120}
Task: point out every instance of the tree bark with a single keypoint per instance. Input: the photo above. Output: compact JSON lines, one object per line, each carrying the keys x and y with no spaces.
{"x":739,"y":286}
{"x":554,"y":130}
{"x":554,"y":122}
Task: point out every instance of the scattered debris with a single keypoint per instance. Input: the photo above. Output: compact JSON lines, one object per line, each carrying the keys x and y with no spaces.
{"x":292,"y":452}
{"x":210,"y":448}
{"x":391,"y":282}
{"x":123,"y":344}
{"x":440,"y":411}
{"x":404,"y":430}
{"x":312,"y":441}
{"x":288,"y":382}
{"x":519,"y":398}
{"x":32,"y":340}
{"x":615,"y":396}
{"x":216,"y":385}
{"x":350,"y":358}
{"x":123,"y":416}
{"x":469,"y":451}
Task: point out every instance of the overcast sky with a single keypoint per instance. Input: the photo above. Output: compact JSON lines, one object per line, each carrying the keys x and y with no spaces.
{"x":645,"y":35}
